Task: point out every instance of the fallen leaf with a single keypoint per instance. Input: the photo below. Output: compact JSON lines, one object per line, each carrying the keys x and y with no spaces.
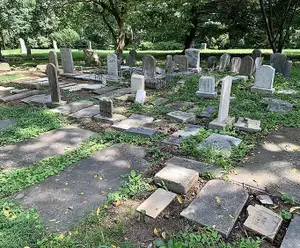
{"x":231,"y":216}
{"x":52,"y":220}
{"x":155,"y":232}
{"x":294,"y":170}
{"x":293,"y":209}
{"x":117,"y":203}
{"x":236,"y":172}
{"x":179,"y":199}
{"x":113,"y":246}
{"x":98,"y":212}
{"x":81,"y":193}
{"x":164,"y":235}
{"x":218,"y":200}
{"x":129,"y":166}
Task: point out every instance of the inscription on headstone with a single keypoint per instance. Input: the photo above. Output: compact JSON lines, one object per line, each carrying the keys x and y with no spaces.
{"x":264,"y":79}
{"x":207,"y":87}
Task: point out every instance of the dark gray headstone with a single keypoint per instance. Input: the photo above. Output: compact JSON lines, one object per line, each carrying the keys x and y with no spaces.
{"x":208,"y":112}
{"x":106,"y":107}
{"x":181,"y":62}
{"x":53,"y":59}
{"x":193,"y":56}
{"x":54,"y":84}
{"x":212,"y":62}
{"x":278,"y":61}
{"x":247,"y":66}
{"x":256,"y":53}
{"x":133,"y":54}
{"x":169,"y":64}
{"x":287,"y":69}
{"x":130,"y":61}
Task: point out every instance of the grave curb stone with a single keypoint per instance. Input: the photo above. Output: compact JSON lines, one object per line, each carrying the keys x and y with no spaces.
{"x":292,"y":236}
{"x":182,"y":117}
{"x":241,"y":125}
{"x":142,"y":131}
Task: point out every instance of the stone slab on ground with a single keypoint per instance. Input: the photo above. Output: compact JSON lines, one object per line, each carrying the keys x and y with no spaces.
{"x":265,"y":199}
{"x":200,"y":167}
{"x":17,"y":91}
{"x":160,"y":101}
{"x":176,"y":178}
{"x":181,"y":117}
{"x":75,"y":88}
{"x":292,"y":237}
{"x":72,"y":107}
{"x":248,"y":125}
{"x":5,"y":124}
{"x":105,"y":90}
{"x":115,"y":93}
{"x":172,"y":141}
{"x":180,"y":105}
{"x":157,"y":202}
{"x":111,"y":121}
{"x":190,"y":130}
{"x":274,"y":165}
{"x":263,"y":221}
{"x":86,"y":112}
{"x":19,"y":96}
{"x":66,"y":199}
{"x":219,"y":204}
{"x":143,"y":131}
{"x":92,"y":87}
{"x":47,"y":144}
{"x":207,"y":112}
{"x":39,"y":100}
{"x":133,"y":121}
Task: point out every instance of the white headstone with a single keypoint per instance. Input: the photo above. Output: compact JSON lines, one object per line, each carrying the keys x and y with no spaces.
{"x":236,"y":64}
{"x":23,"y":48}
{"x":112,"y":64}
{"x":67,"y":60}
{"x":207,"y":87}
{"x":89,"y":43}
{"x":224,"y":62}
{"x":137,"y":83}
{"x":140,"y":96}
{"x":55,"y":45}
{"x":264,"y":79}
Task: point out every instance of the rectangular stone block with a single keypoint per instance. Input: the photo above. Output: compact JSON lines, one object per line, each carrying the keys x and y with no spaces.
{"x":143,"y":131}
{"x":248,"y":125}
{"x":292,"y":237}
{"x":86,"y":113}
{"x":182,"y":117}
{"x":19,"y":96}
{"x":111,"y":121}
{"x":72,"y":107}
{"x":133,"y":121}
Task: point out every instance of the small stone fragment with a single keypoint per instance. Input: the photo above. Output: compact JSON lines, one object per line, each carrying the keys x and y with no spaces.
{"x":265,"y":199}
{"x":182,"y":117}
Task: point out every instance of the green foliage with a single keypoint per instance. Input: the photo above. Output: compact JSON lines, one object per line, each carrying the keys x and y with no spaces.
{"x":285,"y":215}
{"x":66,"y":37}
{"x":163,"y":45}
{"x":288,"y":199}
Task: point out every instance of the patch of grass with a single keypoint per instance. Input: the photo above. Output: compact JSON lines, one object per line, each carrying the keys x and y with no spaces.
{"x":152,"y":110}
{"x":285,"y":215}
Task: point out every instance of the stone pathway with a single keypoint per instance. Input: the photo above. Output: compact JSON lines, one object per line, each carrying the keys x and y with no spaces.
{"x":46,"y":145}
{"x":65,"y":199}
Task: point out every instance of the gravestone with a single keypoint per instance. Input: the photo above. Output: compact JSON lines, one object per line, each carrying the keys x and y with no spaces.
{"x":236,"y":64}
{"x":89,"y":45}
{"x":203,"y":46}
{"x":181,"y":62}
{"x":54,"y":85}
{"x":53,"y":59}
{"x":278,"y":61}
{"x":4,"y":67}
{"x":193,"y":57}
{"x":224,"y":119}
{"x":207,"y":87}
{"x":287,"y":69}
{"x":258,"y":63}
{"x":133,"y":54}
{"x":67,"y":60}
{"x":212,"y":62}
{"x":248,"y":125}
{"x":137,"y":83}
{"x":112,"y":67}
{"x":264,"y":79}
{"x":106,"y":107}
{"x":149,"y":67}
{"x":247,"y":65}
{"x":130,"y":61}
{"x":170,"y":64}
{"x":224,"y":62}
{"x":140,"y":97}
{"x":55,"y":45}
{"x":23,"y":48}
{"x":256,"y":53}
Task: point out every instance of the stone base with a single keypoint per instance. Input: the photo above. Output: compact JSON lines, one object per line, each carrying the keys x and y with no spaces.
{"x":262,"y":90}
{"x":116,"y":118}
{"x":112,"y":78}
{"x":155,"y":83}
{"x":57,"y":104}
{"x":206,"y":95}
{"x":248,"y":125}
{"x":215,"y":124}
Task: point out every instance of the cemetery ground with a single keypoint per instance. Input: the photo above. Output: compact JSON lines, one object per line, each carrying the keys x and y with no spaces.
{"x":116,"y":223}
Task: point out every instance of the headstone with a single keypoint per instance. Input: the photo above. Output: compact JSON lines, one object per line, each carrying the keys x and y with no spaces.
{"x":287,"y":69}
{"x":133,"y":54}
{"x":212,"y":62}
{"x":130,"y":60}
{"x":170,"y":64}
{"x":67,"y":60}
{"x":182,"y":117}
{"x":54,"y":85}
{"x":112,"y":67}
{"x":236,"y":64}
{"x":23,"y":48}
{"x":4,"y":67}
{"x":247,"y":66}
{"x":224,"y":62}
{"x":258,"y":63}
{"x":203,"y":46}
{"x":106,"y":107}
{"x":193,"y":57}
{"x":53,"y":59}
{"x":137,"y":83}
{"x":89,"y":45}
{"x":219,"y":204}
{"x":264,"y":79}
{"x":263,"y":221}
{"x":55,"y":45}
{"x":292,"y":236}
{"x":248,"y":125}
{"x":256,"y":53}
{"x":140,"y":97}
{"x":278,"y":105}
{"x":223,"y":119}
{"x":176,"y":178}
{"x":190,"y":130}
{"x":149,"y":67}
{"x":181,"y":62}
{"x":278,"y":62}
{"x":207,"y":87}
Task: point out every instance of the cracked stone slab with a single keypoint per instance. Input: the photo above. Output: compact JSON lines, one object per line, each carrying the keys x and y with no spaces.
{"x":46,"y":145}
{"x":157,"y":202}
{"x":143,"y":131}
{"x":19,"y":96}
{"x":66,"y":199}
{"x":105,"y":90}
{"x":219,"y":204}
{"x":39,"y":100}
{"x":134,"y":121}
{"x":86,"y":112}
{"x":72,"y":107}
{"x":292,"y":237}
{"x":190,"y":130}
{"x":181,"y":117}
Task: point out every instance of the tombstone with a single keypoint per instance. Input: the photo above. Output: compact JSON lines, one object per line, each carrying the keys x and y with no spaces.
{"x":236,"y":64}
{"x":193,"y":57}
{"x":54,"y":85}
{"x":256,"y":53}
{"x":149,"y":67}
{"x":181,"y":62}
{"x":287,"y":69}
{"x":247,"y":65}
{"x":224,"y":62}
{"x":203,"y":46}
{"x":169,"y":64}
{"x":212,"y":62}
{"x":223,"y":119}
{"x":137,"y":83}
{"x":140,"y":96}
{"x":133,"y":54}
{"x":23,"y":48}
{"x":278,"y":61}
{"x":207,"y":87}
{"x":106,"y":107}
{"x":264,"y":79}
{"x":112,"y":67}
{"x":258,"y":63}
{"x":67,"y":60}
{"x":89,"y":45}
{"x":53,"y":59}
{"x":55,"y":45}
{"x":130,"y":61}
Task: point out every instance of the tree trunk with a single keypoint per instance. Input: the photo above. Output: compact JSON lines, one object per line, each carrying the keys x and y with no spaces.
{"x":192,"y":32}
{"x":1,"y":56}
{"x":29,"y":54}
{"x":121,"y":37}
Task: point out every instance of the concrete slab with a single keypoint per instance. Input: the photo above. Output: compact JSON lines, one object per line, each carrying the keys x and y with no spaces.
{"x":105,"y":90}
{"x":181,"y":117}
{"x":47,"y":144}
{"x":19,"y":96}
{"x":66,"y":199}
{"x":133,"y":121}
{"x":248,"y":125}
{"x":86,"y":112}
{"x":190,"y":130}
{"x":143,"y":131}
{"x":39,"y":100}
{"x":72,"y":107}
{"x":292,"y":237}
{"x":219,"y":204}
{"x":111,"y":121}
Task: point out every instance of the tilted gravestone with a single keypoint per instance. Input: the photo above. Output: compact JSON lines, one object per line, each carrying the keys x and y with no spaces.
{"x":137,"y":83}
{"x":287,"y":69}
{"x":112,"y":67}
{"x":247,"y":65}
{"x":169,"y":64}
{"x":23,"y":48}
{"x":67,"y":60}
{"x":207,"y":87}
{"x":256,"y":53}
{"x":212,"y":62}
{"x":54,"y":85}
{"x":224,"y":119}
{"x":235,"y":64}
{"x":224,"y":62}
{"x":264,"y":79}
{"x":149,"y":67}
{"x":53,"y":59}
{"x":182,"y":62}
{"x":278,"y":61}
{"x":193,"y":57}
{"x":106,"y":107}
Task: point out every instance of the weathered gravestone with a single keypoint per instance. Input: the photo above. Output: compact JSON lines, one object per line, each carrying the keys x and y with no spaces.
{"x":130,"y":61}
{"x":54,"y":85}
{"x":264,"y":80}
{"x":204,"y":46}
{"x":287,"y":69}
{"x":247,"y":65}
{"x":53,"y":59}
{"x":149,"y":67}
{"x":207,"y":87}
{"x":133,"y":54}
{"x":140,"y":96}
{"x":170,"y":64}
{"x":106,"y":107}
{"x":224,"y":62}
{"x":112,"y":67}
{"x":193,"y":56}
{"x":67,"y":60}
{"x":181,"y":62}
{"x":236,"y":64}
{"x":23,"y":48}
{"x":224,"y":119}
{"x":137,"y":83}
{"x":278,"y":61}
{"x":256,"y":53}
{"x":54,"y":45}
{"x":89,"y":45}
{"x":212,"y":62}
